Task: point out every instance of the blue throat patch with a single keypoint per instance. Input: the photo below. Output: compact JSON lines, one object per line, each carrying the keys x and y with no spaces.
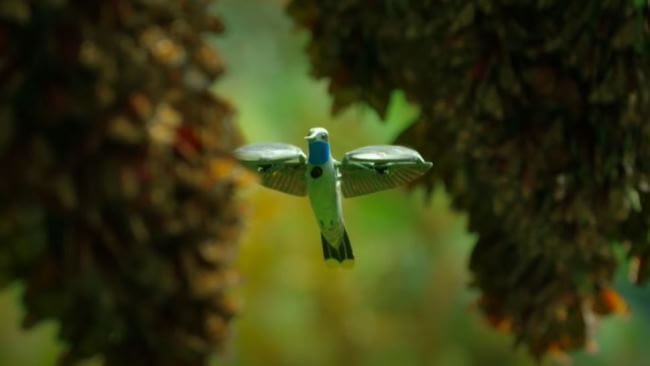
{"x":319,"y":152}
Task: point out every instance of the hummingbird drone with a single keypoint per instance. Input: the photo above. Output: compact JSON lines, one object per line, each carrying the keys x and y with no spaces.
{"x":285,"y":168}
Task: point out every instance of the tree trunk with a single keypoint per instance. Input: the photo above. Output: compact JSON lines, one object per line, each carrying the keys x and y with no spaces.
{"x":116,"y":193}
{"x":535,"y":114}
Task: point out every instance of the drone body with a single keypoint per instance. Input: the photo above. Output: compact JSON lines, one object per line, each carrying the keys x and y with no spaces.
{"x":325,"y":181}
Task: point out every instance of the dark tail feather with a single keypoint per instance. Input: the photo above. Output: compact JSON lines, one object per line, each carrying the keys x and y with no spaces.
{"x":342,"y":255}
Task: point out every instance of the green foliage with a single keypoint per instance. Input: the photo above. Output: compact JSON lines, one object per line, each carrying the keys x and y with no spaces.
{"x":116,"y":200}
{"x":535,"y":116}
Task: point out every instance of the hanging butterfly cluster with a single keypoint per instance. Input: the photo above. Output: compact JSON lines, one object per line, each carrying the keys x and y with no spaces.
{"x":536,"y":114}
{"x":115,"y":208}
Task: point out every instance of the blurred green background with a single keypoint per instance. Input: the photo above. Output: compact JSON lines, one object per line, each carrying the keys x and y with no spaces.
{"x":406,"y":302}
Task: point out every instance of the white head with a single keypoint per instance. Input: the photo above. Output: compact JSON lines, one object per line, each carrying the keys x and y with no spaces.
{"x":317,"y":134}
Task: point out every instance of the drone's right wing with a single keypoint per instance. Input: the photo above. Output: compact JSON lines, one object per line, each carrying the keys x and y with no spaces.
{"x":281,"y":166}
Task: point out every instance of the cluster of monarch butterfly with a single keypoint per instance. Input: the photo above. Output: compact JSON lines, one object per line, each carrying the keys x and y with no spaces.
{"x":117,"y":206}
{"x":535,"y":114}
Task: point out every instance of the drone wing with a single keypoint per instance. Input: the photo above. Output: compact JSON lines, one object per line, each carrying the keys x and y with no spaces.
{"x":376,"y":168}
{"x":280,"y":166}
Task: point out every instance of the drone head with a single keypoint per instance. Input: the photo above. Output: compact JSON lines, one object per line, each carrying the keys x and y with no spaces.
{"x":317,"y":134}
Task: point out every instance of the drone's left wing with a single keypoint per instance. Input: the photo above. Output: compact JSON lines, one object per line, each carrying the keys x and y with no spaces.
{"x":376,"y":168}
{"x":281,"y":166}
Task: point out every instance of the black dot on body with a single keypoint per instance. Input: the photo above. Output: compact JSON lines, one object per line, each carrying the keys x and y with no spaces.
{"x":316,"y":172}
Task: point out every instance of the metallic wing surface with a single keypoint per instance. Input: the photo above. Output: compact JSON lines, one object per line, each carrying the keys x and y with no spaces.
{"x":280,"y":166}
{"x":376,"y":168}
